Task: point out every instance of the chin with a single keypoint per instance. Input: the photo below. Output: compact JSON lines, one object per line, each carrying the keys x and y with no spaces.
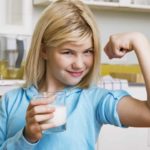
{"x":72,"y":83}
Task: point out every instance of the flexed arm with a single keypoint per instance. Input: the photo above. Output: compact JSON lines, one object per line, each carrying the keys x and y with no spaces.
{"x":133,"y":112}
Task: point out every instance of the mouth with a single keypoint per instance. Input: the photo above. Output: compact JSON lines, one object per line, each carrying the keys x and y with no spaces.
{"x":75,"y":73}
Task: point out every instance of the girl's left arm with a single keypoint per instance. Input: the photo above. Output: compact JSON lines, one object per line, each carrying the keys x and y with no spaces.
{"x":133,"y":112}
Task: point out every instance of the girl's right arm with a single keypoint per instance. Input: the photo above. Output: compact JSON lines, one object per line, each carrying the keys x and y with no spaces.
{"x":25,"y":138}
{"x":15,"y":142}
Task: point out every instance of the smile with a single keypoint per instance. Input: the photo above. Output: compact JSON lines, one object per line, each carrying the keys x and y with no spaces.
{"x":75,"y":74}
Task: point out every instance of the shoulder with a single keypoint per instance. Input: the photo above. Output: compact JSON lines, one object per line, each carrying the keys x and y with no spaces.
{"x":10,"y":99}
{"x":95,"y":91}
{"x":16,"y":99}
{"x":93,"y":94}
{"x":20,"y":93}
{"x":12,"y":96}
{"x":14,"y":92}
{"x":98,"y":94}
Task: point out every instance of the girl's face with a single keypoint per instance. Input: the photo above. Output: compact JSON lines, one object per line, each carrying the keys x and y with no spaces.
{"x":69,"y":63}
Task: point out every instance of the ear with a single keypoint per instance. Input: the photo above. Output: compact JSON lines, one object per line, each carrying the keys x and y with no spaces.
{"x":43,"y":52}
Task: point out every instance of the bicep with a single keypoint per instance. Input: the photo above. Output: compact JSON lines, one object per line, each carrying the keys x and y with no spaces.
{"x":133,"y":112}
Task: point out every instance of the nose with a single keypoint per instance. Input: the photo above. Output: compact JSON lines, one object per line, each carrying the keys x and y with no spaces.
{"x":78,"y":63}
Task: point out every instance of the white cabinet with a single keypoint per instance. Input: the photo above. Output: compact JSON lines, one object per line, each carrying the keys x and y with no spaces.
{"x":121,"y":5}
{"x":16,"y":17}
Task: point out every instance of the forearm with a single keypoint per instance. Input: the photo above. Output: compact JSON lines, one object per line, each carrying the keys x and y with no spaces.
{"x":17,"y":142}
{"x":142,"y":50}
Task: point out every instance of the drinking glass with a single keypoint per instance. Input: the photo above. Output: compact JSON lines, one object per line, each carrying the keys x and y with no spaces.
{"x":60,"y":114}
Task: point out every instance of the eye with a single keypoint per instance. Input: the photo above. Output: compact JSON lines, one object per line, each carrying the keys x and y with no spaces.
{"x":67,"y":52}
{"x":89,"y":51}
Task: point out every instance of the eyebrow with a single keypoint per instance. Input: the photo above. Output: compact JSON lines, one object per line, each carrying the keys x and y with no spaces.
{"x":91,"y":48}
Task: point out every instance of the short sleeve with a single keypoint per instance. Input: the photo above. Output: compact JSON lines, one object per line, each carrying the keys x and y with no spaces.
{"x":106,"y":112}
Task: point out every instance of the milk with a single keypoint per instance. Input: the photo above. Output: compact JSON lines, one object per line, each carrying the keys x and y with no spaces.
{"x":59,"y":119}
{"x":60,"y":116}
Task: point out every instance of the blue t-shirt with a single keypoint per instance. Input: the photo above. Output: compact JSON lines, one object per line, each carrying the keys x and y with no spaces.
{"x":88,"y":109}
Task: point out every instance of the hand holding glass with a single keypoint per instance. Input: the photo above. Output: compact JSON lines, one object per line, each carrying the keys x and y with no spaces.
{"x":60,"y":113}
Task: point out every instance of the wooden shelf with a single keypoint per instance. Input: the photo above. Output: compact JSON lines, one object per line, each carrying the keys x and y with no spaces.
{"x":104,"y":6}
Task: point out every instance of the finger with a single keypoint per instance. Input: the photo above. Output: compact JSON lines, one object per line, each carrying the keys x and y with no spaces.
{"x":106,"y":47}
{"x":40,"y":118}
{"x":40,"y":101}
{"x":116,"y":50}
{"x":41,"y":110}
{"x":46,"y":126}
{"x":119,"y":53}
{"x":44,"y":96}
{"x":108,"y":50}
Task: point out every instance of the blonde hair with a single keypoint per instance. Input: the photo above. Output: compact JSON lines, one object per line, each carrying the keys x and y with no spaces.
{"x":60,"y":22}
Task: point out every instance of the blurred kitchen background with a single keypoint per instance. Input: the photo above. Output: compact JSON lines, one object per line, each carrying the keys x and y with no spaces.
{"x":17,"y":21}
{"x":18,"y":18}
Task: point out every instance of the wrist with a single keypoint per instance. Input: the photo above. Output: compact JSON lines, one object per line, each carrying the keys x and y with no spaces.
{"x":139,"y":41}
{"x":29,"y":139}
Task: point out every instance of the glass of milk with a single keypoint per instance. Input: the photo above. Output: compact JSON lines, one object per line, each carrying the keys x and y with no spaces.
{"x":60,"y":114}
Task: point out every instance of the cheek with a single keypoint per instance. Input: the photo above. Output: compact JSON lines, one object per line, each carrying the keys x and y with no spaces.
{"x":62,"y":62}
{"x":89,"y":61}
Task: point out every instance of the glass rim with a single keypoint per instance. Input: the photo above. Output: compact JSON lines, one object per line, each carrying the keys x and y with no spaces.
{"x":46,"y":94}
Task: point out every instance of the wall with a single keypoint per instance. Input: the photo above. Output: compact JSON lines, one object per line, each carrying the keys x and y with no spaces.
{"x":110,"y":22}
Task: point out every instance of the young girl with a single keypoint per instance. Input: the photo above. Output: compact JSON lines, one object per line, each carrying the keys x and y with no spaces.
{"x":64,"y":55}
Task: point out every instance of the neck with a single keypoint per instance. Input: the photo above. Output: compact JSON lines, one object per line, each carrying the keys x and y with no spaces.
{"x":50,"y":86}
